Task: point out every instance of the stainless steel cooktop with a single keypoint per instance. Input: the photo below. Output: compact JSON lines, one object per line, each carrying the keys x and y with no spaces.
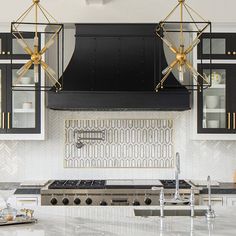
{"x":108,"y":192}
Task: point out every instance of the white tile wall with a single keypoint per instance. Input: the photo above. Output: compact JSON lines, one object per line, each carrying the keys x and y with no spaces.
{"x":24,"y":160}
{"x":127,"y":143}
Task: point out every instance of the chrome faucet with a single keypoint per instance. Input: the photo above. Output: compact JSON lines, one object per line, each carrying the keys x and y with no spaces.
{"x":192,"y":202}
{"x":177,"y":172}
{"x":210,"y":213}
{"x":162,"y":202}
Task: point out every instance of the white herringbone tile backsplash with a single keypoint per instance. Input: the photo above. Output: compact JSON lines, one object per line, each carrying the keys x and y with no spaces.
{"x":25,"y":160}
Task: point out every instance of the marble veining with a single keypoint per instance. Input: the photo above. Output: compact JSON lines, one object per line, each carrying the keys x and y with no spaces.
{"x":120,"y":221}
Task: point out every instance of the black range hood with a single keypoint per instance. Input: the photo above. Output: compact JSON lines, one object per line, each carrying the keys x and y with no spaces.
{"x":116,"y":67}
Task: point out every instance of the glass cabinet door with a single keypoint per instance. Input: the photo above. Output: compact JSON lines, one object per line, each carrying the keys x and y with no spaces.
{"x":17,"y":51}
{"x":3,"y":46}
{"x":213,"y":101}
{"x":25,"y":104}
{"x":217,"y":46}
{"x":2,"y":98}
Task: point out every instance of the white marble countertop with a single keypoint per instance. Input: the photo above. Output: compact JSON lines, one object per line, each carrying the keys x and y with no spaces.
{"x":120,"y":221}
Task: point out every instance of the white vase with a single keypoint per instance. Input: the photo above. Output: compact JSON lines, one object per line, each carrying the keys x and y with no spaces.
{"x":212,"y":102}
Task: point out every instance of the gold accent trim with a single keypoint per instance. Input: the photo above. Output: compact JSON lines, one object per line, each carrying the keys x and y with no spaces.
{"x":234,"y":121}
{"x":8,"y":120}
{"x":36,"y":56}
{"x":229,"y":120}
{"x":181,"y":52}
{"x":3,"y":120}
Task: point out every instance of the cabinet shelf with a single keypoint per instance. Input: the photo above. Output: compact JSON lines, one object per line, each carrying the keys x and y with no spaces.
{"x":24,"y":85}
{"x":20,"y":110}
{"x":218,"y":86}
{"x":216,"y":110}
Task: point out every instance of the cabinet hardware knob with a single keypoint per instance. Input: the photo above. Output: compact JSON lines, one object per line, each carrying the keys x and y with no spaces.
{"x":3,"y":53}
{"x":8,"y":53}
{"x":229,"y":120}
{"x":8,"y":120}
{"x":229,"y":53}
{"x":234,"y":53}
{"x":3,"y":120}
{"x":234,"y":121}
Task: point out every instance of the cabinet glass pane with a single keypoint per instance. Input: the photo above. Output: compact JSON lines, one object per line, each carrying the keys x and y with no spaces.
{"x":1,"y":99}
{"x":218,"y":46}
{"x":17,"y":48}
{"x":0,"y":46}
{"x":214,"y":100}
{"x":23,"y":105}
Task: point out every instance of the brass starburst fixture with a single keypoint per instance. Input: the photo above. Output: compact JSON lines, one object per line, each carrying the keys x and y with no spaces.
{"x":53,"y":33}
{"x":195,"y":25}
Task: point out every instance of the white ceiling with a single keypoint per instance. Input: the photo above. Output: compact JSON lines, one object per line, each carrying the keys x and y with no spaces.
{"x":120,"y":10}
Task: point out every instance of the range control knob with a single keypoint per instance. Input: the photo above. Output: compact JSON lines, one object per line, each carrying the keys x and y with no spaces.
{"x":89,"y":201}
{"x":148,"y":201}
{"x":77,"y":201}
{"x":53,"y":201}
{"x":65,"y":201}
{"x":136,"y":203}
{"x":103,"y":203}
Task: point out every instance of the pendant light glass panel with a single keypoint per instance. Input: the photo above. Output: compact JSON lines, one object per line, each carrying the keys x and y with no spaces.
{"x":181,"y":33}
{"x":41,"y":45}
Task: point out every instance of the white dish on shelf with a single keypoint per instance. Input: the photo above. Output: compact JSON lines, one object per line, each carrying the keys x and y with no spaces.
{"x":27,"y":105}
{"x":20,"y":110}
{"x":212,"y":101}
{"x":217,"y":110}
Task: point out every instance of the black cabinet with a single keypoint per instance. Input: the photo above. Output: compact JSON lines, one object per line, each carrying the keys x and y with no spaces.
{"x":10,"y":48}
{"x":5,"y":46}
{"x":20,"y":110}
{"x":216,"y":105}
{"x":217,"y":46}
{"x":3,"y":106}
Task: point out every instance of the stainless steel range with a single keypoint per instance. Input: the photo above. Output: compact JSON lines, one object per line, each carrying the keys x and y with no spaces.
{"x":109,"y":192}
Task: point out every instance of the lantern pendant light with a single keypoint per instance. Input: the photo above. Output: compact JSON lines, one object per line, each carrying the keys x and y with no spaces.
{"x":36,"y":52}
{"x":196,"y":25}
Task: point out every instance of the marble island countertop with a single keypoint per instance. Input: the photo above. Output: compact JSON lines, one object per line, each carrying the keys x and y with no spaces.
{"x":120,"y":221}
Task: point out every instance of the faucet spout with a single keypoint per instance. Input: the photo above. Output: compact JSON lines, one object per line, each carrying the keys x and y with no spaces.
{"x":177,"y":163}
{"x":177,"y":172}
{"x":210,"y":213}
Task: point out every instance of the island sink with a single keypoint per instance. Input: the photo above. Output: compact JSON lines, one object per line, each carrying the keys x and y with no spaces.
{"x":169,"y":212}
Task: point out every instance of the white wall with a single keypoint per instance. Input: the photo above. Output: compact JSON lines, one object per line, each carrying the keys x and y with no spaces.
{"x":120,"y":10}
{"x":24,"y":160}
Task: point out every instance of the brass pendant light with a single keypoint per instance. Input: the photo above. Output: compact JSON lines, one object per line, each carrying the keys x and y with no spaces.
{"x":194,"y":25}
{"x":37,"y":51}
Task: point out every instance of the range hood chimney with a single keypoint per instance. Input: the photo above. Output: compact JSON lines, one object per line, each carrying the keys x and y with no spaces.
{"x":116,"y":67}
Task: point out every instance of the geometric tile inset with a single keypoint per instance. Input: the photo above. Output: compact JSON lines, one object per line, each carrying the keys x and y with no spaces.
{"x":119,"y":143}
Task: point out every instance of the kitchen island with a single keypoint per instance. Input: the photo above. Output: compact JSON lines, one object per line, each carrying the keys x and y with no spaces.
{"x":120,"y":221}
